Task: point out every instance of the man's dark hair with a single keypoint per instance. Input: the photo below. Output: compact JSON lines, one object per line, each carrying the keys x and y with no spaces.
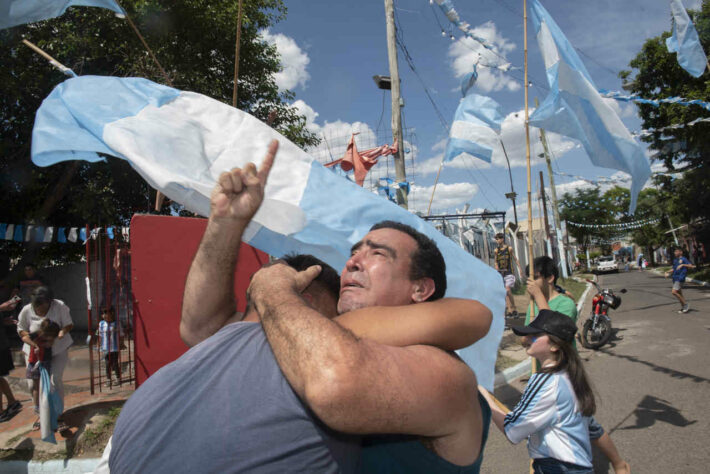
{"x":41,"y":295}
{"x":545,"y":267}
{"x":31,"y":265}
{"x":427,"y":261}
{"x":500,"y":235}
{"x":328,"y":276}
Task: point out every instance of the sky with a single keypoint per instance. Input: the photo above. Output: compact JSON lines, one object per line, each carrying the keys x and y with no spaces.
{"x":330,"y":51}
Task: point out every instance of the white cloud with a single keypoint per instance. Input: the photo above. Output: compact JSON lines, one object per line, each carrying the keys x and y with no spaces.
{"x":447,"y":196}
{"x":294,"y":61}
{"x":466,"y":52}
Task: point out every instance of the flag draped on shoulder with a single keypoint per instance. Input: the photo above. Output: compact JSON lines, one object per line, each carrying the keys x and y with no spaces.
{"x":475,"y":129}
{"x":180,"y":142}
{"x":685,"y":42}
{"x":575,"y":109}
{"x":20,"y":12}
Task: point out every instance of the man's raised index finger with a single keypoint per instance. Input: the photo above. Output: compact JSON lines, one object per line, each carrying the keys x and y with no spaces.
{"x":268,"y":162}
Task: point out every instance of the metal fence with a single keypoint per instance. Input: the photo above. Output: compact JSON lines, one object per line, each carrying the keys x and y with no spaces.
{"x":108,"y":272}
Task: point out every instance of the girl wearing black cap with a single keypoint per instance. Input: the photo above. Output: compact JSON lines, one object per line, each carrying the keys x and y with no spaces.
{"x":553,"y":412}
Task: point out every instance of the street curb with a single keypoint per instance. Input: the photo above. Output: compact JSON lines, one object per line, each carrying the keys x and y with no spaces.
{"x":512,"y":373}
{"x":70,"y":466}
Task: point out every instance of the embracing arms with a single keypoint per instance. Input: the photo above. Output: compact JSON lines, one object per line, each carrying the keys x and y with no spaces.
{"x":356,"y":385}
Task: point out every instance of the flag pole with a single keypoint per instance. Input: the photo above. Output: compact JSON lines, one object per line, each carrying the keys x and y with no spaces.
{"x":436,"y":181}
{"x":49,"y":58}
{"x":527,"y":149}
{"x":236,"y":55}
{"x":159,"y":197}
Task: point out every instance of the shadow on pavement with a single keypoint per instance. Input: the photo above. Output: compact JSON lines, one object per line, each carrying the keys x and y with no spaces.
{"x":653,"y":409}
{"x":657,"y":368}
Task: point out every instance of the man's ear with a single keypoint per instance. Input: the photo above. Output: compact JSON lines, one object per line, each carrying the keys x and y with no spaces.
{"x":423,"y":289}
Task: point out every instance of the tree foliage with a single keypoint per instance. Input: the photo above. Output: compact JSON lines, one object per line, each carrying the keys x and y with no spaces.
{"x":655,"y":74}
{"x":592,"y":207}
{"x":194,"y":41}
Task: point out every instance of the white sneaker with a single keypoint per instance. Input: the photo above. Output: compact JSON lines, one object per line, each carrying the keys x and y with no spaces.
{"x":685,"y":308}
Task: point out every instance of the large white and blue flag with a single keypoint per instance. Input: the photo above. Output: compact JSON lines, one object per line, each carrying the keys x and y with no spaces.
{"x":20,"y":12}
{"x":575,"y":109}
{"x":685,"y":42}
{"x":180,"y":142}
{"x":476,"y":128}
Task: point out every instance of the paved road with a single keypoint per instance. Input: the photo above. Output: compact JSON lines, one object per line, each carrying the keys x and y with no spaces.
{"x":652,"y":382}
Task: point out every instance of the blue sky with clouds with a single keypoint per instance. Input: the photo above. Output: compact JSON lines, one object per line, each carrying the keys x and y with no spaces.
{"x":330,"y":51}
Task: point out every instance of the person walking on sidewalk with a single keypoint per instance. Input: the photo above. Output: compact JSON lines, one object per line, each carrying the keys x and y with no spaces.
{"x":678,"y":273}
{"x":504,"y":264}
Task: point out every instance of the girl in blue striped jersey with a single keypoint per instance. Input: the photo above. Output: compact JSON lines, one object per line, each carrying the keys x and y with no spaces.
{"x":554,"y":412}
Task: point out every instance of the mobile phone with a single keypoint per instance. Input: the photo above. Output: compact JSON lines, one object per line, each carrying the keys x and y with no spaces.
{"x":16,"y":299}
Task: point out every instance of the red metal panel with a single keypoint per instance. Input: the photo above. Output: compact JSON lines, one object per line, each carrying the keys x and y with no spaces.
{"x":162,"y":248}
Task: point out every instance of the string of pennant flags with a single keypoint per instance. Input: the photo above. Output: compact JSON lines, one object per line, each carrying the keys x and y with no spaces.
{"x":622,"y":225}
{"x":616,"y":95}
{"x":62,"y":235}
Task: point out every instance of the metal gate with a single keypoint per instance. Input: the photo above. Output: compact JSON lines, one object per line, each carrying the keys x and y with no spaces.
{"x":108,"y":280}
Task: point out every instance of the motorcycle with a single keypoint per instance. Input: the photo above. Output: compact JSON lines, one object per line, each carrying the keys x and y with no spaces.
{"x":597,"y":329}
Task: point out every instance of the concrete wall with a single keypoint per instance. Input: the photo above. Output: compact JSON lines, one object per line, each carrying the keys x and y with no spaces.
{"x":68,"y":284}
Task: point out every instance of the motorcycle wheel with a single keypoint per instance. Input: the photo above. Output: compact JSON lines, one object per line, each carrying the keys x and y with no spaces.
{"x":594,"y":339}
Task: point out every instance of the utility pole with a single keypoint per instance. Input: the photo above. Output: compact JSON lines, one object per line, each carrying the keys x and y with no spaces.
{"x":396,"y":102}
{"x":544,"y":213}
{"x":555,"y":210}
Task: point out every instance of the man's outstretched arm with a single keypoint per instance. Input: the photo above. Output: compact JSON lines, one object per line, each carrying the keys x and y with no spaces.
{"x":208,"y":302}
{"x":356,"y":385}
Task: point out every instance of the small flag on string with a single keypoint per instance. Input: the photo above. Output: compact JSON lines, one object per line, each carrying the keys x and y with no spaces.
{"x":48,"y":234}
{"x":109,"y":232}
{"x":29,"y":233}
{"x":72,"y":235}
{"x":9,"y":232}
{"x":61,"y":236}
{"x":19,"y":235}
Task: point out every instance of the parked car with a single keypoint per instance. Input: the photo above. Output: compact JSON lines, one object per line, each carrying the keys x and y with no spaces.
{"x":607,"y":264}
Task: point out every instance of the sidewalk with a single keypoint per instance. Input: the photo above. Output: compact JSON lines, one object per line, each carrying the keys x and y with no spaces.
{"x":83,"y":413}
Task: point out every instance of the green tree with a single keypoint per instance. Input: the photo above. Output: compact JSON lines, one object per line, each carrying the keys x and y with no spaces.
{"x":194,"y":41}
{"x":655,"y":74}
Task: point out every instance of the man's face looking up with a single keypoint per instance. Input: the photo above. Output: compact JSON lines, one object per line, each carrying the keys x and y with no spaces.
{"x":377,"y":272}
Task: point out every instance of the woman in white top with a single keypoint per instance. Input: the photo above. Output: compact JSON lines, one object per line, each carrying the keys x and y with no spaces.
{"x":43,"y":306}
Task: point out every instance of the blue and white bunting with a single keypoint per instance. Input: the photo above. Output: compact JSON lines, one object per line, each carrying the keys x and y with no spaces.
{"x":685,"y":42}
{"x":20,"y":12}
{"x":475,"y":129}
{"x":575,"y":109}
{"x":180,"y":142}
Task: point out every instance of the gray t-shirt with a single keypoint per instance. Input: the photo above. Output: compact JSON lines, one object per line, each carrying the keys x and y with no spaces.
{"x":225,"y":406}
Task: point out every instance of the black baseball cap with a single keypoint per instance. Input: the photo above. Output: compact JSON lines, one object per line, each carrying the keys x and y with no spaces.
{"x":550,"y":322}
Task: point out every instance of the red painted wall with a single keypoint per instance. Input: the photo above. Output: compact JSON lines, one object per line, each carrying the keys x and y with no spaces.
{"x":162,"y":248}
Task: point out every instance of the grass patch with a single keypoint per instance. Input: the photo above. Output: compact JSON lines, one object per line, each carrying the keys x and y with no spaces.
{"x":96,"y":437}
{"x":702,"y":275}
{"x":573,"y":286}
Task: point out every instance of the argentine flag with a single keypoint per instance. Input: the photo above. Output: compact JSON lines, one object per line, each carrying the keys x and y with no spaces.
{"x":180,"y":142}
{"x":475,"y":130}
{"x":20,"y":12}
{"x":685,"y":42}
{"x":575,"y":109}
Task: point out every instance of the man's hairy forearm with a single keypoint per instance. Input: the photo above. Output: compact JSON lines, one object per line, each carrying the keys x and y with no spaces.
{"x":311,"y":349}
{"x":208,"y":301}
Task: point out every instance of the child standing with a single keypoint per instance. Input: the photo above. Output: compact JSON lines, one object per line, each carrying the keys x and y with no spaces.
{"x":40,"y":354}
{"x":110,"y":344}
{"x":554,"y":412}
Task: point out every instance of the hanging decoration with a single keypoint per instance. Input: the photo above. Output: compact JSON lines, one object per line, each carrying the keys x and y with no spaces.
{"x":616,"y":95}
{"x":622,"y":225}
{"x":387,"y":187}
{"x":447,"y":7}
{"x":362,"y":161}
{"x":62,"y":235}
